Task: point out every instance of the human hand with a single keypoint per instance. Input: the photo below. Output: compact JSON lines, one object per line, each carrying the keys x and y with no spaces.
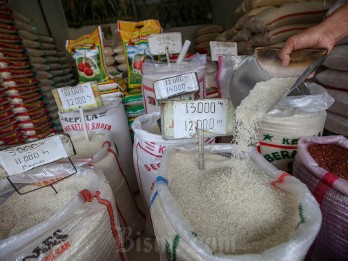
{"x":314,"y":37}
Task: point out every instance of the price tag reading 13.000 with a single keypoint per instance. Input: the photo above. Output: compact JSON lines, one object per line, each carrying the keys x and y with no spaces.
{"x":84,"y":95}
{"x":213,"y":116}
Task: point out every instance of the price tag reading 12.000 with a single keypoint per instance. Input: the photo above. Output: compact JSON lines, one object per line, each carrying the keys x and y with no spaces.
{"x":213,"y":116}
{"x":84,"y":95}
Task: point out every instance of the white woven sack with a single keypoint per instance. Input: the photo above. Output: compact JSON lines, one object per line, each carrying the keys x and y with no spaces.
{"x":92,"y":212}
{"x":340,"y":105}
{"x":148,"y":149}
{"x":338,"y":58}
{"x":111,"y":118}
{"x":292,"y":118}
{"x":176,"y":239}
{"x":333,"y":78}
{"x":100,"y":152}
{"x":336,"y":123}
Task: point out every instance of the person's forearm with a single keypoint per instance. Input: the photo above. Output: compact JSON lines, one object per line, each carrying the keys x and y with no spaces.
{"x":336,"y":25}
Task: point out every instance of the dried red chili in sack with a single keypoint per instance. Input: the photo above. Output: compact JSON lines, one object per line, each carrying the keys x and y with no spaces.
{"x":330,"y":190}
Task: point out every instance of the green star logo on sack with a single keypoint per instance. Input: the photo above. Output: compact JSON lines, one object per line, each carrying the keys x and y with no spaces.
{"x":267,"y":137}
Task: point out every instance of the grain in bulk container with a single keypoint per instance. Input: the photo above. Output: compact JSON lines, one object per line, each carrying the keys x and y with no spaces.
{"x":292,"y":118}
{"x":329,"y":189}
{"x":111,"y":118}
{"x":148,"y":149}
{"x":79,"y":222}
{"x":100,"y":153}
{"x":178,"y":239}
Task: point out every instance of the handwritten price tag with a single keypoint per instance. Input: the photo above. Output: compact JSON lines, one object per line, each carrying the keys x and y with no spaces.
{"x":174,"y":86}
{"x":84,"y":95}
{"x":222,"y":48}
{"x":18,"y":159}
{"x":180,"y":118}
{"x":159,"y":42}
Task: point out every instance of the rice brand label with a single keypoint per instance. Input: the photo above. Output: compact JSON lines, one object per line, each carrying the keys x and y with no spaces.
{"x":18,"y":159}
{"x":280,"y":151}
{"x":174,"y":86}
{"x":86,"y":95}
{"x":134,"y":37}
{"x":52,"y":247}
{"x":222,"y":48}
{"x":180,"y":119}
{"x":160,"y":44}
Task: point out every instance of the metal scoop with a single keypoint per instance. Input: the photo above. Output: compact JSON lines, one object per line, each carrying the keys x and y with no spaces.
{"x":265,"y":64}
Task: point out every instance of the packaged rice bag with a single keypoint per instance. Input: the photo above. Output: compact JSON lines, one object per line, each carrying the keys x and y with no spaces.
{"x":9,"y":64}
{"x":134,"y":36}
{"x":27,"y":107}
{"x":24,"y":82}
{"x":9,"y":38}
{"x":87,"y":51}
{"x":13,"y":56}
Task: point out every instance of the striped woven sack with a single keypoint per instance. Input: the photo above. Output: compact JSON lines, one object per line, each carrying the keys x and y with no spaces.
{"x":331,"y":192}
{"x":176,"y":240}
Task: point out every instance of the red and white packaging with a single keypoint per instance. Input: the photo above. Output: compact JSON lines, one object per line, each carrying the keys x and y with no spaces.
{"x":39,"y":135}
{"x":17,"y":91}
{"x":34,"y":123}
{"x":13,"y":56}
{"x":32,"y":115}
{"x":6,"y":19}
{"x":15,"y":48}
{"x":18,"y":65}
{"x":15,"y":74}
{"x":24,"y":82}
{"x":27,"y":98}
{"x":8,"y":29}
{"x":37,"y":129}
{"x":9,"y":38}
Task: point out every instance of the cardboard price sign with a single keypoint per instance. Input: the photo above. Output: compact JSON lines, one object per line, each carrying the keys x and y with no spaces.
{"x":222,"y":48}
{"x":86,"y":95}
{"x":179,"y":119}
{"x":177,"y":85}
{"x":18,"y":159}
{"x":159,"y":42}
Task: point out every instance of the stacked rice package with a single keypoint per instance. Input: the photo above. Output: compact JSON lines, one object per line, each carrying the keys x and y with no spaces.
{"x":204,"y":35}
{"x":335,"y":79}
{"x":25,"y":116}
{"x":272,"y":22}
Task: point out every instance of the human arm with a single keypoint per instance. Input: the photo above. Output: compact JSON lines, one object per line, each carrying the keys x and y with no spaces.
{"x":323,"y":35}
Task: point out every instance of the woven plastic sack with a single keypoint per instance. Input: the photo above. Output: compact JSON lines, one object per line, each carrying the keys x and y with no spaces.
{"x":86,"y":228}
{"x":175,"y":236}
{"x":331,"y":193}
{"x":336,"y":123}
{"x":292,"y":118}
{"x":340,"y":105}
{"x":338,"y":58}
{"x":100,"y":152}
{"x":333,"y":79}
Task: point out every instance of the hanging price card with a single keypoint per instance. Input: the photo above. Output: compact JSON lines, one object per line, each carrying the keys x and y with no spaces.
{"x":179,"y":119}
{"x":222,"y":48}
{"x":18,"y":159}
{"x":159,"y":42}
{"x":86,"y":95}
{"x":177,"y":85}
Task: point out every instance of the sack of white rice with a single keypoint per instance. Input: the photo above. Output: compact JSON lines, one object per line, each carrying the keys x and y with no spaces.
{"x":235,"y":209}
{"x":79,"y":222}
{"x":292,"y":118}
{"x":321,"y":164}
{"x":111,"y":118}
{"x":100,"y":152}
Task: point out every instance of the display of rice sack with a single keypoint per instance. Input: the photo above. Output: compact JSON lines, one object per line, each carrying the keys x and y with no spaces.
{"x":278,"y":34}
{"x":189,"y":208}
{"x":336,"y":123}
{"x":9,"y":64}
{"x":153,"y":72}
{"x":100,"y":152}
{"x":292,"y":118}
{"x":333,"y":78}
{"x":9,"y":38}
{"x":111,"y":118}
{"x":338,"y":58}
{"x":134,"y":37}
{"x":79,"y":222}
{"x":90,"y":62}
{"x":321,"y":164}
{"x":226,"y":35}
{"x":242,"y":35}
{"x":292,"y":13}
{"x":148,"y":149}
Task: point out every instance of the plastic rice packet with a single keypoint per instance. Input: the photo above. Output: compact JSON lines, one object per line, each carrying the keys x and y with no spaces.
{"x":170,"y":223}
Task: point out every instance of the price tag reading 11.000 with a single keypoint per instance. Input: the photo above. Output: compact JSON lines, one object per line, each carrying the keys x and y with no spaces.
{"x":85,"y":95}
{"x":213,"y":116}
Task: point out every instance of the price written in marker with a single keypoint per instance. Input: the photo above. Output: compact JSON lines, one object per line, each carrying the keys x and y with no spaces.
{"x":180,"y":118}
{"x":222,"y":48}
{"x":159,"y":42}
{"x":18,"y":159}
{"x":84,"y":95}
{"x":174,"y":86}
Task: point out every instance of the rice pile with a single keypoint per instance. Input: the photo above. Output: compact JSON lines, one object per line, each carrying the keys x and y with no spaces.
{"x":254,"y":107}
{"x":21,"y":212}
{"x":231,"y":205}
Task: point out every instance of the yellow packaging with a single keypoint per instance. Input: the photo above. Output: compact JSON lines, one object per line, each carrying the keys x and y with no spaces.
{"x":134,"y":36}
